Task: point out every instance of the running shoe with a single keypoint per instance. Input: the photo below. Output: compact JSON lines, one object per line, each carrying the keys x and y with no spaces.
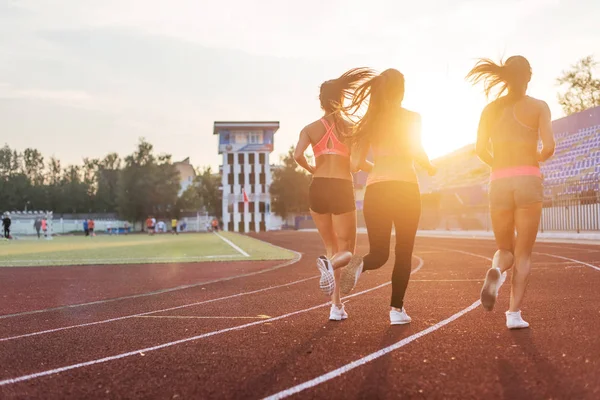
{"x":327,"y":282}
{"x":399,"y":317}
{"x":515,"y":321}
{"x":489,"y":292}
{"x":350,"y":274}
{"x":337,"y":314}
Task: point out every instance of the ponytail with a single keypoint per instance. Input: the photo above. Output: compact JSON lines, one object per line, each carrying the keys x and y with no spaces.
{"x":515,"y":73}
{"x":335,"y":91}
{"x":380,"y":95}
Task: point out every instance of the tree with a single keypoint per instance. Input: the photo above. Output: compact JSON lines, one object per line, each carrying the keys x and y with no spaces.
{"x":289,"y":190}
{"x":147,"y":185}
{"x":107,"y":176}
{"x":209,"y":191}
{"x":583,"y":89}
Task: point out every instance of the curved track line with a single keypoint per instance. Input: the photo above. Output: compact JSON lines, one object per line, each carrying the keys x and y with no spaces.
{"x":570,"y":259}
{"x":373,"y":356}
{"x":297,"y":258}
{"x":190,"y":339}
{"x":380,"y":353}
{"x":63,"y":328}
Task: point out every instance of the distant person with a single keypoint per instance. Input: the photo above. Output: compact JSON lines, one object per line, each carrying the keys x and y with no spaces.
{"x":331,"y":192}
{"x":153,"y":224}
{"x":45,"y":227}
{"x":86,"y":228}
{"x":150,"y":226}
{"x":513,"y":123}
{"x":392,"y":198}
{"x":174,"y":226}
{"x":37,"y":225}
{"x":109,"y":228}
{"x":161,"y":227}
{"x":215,"y":225}
{"x":6,"y":222}
{"x":126,"y":227}
{"x":91,"y":227}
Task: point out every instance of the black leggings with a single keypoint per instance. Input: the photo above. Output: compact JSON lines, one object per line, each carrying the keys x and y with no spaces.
{"x":387,"y":203}
{"x":6,"y":233}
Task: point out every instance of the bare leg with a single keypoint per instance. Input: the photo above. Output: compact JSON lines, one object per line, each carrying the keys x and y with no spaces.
{"x":504,"y":232}
{"x":324,"y":223}
{"x":527,"y":221}
{"x":344,"y":226}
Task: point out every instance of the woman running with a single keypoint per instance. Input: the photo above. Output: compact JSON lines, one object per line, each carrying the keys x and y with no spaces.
{"x":331,"y":192}
{"x":393,"y":134}
{"x":513,"y":124}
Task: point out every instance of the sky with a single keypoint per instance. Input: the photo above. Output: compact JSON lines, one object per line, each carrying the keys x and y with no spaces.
{"x":81,"y":78}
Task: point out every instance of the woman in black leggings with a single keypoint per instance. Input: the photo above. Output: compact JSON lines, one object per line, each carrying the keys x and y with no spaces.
{"x":393,"y":135}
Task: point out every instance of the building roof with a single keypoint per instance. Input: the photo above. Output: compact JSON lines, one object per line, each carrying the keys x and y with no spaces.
{"x":245,"y":124}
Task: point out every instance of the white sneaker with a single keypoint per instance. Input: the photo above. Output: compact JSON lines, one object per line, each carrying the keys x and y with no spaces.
{"x":489,"y":293}
{"x":350,"y":274}
{"x":514,"y":320}
{"x":337,"y":314}
{"x":399,"y":317}
{"x":327,"y":282}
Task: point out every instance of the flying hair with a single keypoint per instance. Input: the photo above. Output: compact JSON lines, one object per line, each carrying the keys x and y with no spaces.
{"x":513,"y":75}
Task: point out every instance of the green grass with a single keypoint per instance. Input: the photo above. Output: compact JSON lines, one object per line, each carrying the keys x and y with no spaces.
{"x":135,"y":249}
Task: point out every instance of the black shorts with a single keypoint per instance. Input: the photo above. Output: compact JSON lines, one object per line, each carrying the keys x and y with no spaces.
{"x":331,"y":196}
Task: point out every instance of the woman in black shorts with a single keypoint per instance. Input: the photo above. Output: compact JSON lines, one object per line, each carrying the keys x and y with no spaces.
{"x":331,"y":193}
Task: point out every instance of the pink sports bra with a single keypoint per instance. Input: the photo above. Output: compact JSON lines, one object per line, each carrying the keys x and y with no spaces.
{"x":337,"y":148}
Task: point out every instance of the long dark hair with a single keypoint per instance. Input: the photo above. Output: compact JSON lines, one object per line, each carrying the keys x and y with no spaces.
{"x":512,"y":75}
{"x":381,"y":95}
{"x":335,"y":92}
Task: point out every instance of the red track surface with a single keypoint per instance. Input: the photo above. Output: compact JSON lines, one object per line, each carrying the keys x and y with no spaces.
{"x":473,"y":356}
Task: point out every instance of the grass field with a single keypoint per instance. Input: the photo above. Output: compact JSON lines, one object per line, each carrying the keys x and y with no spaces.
{"x":136,"y":249}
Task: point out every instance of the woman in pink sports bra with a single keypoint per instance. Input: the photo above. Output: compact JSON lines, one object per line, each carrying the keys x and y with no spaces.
{"x":513,"y":124}
{"x":331,"y":192}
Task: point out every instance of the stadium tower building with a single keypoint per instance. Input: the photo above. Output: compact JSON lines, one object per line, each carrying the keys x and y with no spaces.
{"x":246,"y":173}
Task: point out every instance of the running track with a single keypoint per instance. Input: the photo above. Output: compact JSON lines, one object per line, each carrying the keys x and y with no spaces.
{"x":267,"y":333}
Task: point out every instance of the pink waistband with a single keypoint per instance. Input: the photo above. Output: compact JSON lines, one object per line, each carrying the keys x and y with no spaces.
{"x":525,"y":170}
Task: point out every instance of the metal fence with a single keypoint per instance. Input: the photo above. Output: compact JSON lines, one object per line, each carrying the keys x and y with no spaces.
{"x":571,"y":206}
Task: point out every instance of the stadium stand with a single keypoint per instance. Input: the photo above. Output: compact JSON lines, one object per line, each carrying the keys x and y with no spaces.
{"x":456,"y":198}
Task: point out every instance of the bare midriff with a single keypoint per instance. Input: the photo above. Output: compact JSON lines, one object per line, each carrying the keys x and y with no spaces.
{"x":332,"y":166}
{"x":392,"y":168}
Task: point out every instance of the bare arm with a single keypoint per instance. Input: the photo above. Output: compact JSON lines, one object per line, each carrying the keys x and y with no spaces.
{"x":301,"y":146}
{"x":420,"y":155}
{"x":546,"y":134}
{"x":483,"y":138}
{"x":358,"y":158}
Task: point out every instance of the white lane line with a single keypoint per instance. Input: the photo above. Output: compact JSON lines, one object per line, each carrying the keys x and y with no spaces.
{"x":63,"y":328}
{"x":23,"y":378}
{"x":297,"y":258}
{"x":233,"y":245}
{"x":570,"y":259}
{"x":373,"y":356}
{"x":201,"y":317}
{"x":49,"y":261}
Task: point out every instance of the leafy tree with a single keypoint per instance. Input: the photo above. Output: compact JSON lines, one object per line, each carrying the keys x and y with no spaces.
{"x":107,"y":176}
{"x":147,"y":185}
{"x":289,"y":189}
{"x":209,"y":191}
{"x":583,"y":89}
